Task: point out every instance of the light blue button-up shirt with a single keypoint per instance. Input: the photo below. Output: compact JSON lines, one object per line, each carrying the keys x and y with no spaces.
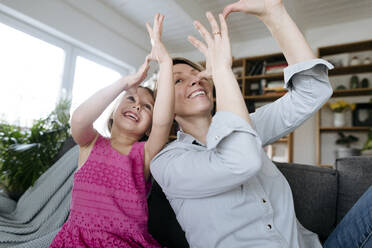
{"x":228,"y":193}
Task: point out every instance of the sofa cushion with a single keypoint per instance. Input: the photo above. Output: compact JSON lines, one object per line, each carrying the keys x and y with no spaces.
{"x":314,"y":191}
{"x":355,"y":176}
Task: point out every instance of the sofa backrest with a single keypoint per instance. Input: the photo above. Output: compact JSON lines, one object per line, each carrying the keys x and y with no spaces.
{"x":355,"y":177}
{"x":314,"y":192}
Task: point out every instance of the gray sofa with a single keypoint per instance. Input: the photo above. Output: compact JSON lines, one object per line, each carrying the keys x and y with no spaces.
{"x":322,"y":196}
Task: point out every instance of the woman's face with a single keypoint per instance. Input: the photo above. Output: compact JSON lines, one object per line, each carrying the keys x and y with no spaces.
{"x":134,"y":113}
{"x":193,"y":96}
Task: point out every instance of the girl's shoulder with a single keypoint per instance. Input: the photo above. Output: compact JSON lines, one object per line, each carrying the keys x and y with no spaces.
{"x":138,"y":149}
{"x":86,"y":150}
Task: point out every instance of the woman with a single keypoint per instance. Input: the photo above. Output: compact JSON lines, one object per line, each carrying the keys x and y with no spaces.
{"x":223,"y":188}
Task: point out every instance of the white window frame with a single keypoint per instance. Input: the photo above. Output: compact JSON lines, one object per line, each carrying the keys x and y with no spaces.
{"x":71,"y":50}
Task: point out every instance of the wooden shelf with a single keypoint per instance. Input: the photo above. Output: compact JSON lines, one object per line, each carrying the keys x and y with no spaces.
{"x":352,"y":92}
{"x":265,"y":98}
{"x":344,"y":129}
{"x":336,"y":93}
{"x":284,"y":140}
{"x":338,"y":71}
{"x":272,"y":76}
{"x":345,"y":48}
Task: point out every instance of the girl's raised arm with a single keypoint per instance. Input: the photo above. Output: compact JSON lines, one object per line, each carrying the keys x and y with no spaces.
{"x":83,"y":117}
{"x":164,"y":104}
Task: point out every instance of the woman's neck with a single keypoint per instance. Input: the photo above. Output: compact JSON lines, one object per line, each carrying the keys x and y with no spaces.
{"x":196,"y":126}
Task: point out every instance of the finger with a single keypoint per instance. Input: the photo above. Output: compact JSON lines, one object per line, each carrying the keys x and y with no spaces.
{"x":203,"y":32}
{"x":234,"y":7}
{"x":214,"y":25}
{"x":161,"y":19}
{"x":145,"y":66}
{"x":149,"y":30}
{"x":156,"y":26}
{"x":198,"y":44}
{"x":224,"y":30}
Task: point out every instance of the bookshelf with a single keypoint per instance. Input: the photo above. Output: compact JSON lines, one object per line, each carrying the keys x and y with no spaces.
{"x":347,"y":50}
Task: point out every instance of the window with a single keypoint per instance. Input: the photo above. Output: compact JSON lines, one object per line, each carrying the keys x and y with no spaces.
{"x":37,"y":68}
{"x":31,"y":76}
{"x":89,"y":78}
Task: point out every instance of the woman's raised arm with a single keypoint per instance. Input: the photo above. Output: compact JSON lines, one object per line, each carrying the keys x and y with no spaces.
{"x":285,"y":31}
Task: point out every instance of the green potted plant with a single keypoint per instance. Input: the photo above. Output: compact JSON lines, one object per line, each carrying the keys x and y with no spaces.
{"x":367,"y":148}
{"x":26,"y":153}
{"x":346,"y":141}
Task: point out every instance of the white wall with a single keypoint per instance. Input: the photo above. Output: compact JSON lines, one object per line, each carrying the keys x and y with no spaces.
{"x":96,"y":29}
{"x":305,"y":136}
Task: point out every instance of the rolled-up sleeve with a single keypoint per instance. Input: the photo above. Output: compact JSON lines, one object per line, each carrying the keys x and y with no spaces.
{"x":308,"y":89}
{"x":232,"y":155}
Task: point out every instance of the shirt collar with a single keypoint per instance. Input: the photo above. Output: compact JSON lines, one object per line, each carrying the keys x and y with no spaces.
{"x":187,"y":138}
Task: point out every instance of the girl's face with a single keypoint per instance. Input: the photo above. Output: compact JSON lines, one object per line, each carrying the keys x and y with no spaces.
{"x":134,"y":114}
{"x":193,"y":96}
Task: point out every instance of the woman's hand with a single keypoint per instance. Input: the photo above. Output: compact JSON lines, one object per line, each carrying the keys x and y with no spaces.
{"x":217,"y":49}
{"x":158,"y":51}
{"x":259,"y":8}
{"x":207,"y":73}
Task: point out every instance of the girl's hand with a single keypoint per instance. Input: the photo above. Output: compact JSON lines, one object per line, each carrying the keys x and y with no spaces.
{"x":158,"y":51}
{"x":259,"y":8}
{"x":134,"y":80}
{"x":217,"y":51}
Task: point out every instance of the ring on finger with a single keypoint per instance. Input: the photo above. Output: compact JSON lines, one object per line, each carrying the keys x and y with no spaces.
{"x":217,"y":33}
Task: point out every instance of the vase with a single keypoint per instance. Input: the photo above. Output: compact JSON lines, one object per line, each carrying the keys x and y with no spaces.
{"x":339,"y":119}
{"x":344,"y":152}
{"x":354,"y":82}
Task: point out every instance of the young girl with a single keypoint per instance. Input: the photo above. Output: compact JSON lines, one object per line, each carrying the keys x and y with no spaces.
{"x":109,"y":207}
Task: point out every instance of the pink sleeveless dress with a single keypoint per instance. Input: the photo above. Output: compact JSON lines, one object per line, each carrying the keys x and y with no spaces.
{"x":108,"y":206}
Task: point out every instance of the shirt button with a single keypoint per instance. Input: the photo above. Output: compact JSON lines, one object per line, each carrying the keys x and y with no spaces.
{"x":217,"y":137}
{"x":263,"y":200}
{"x":268,"y":227}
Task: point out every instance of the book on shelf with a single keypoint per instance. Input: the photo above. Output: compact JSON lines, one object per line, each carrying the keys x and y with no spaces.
{"x":264,"y":67}
{"x":255,"y":68}
{"x":277,"y":67}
